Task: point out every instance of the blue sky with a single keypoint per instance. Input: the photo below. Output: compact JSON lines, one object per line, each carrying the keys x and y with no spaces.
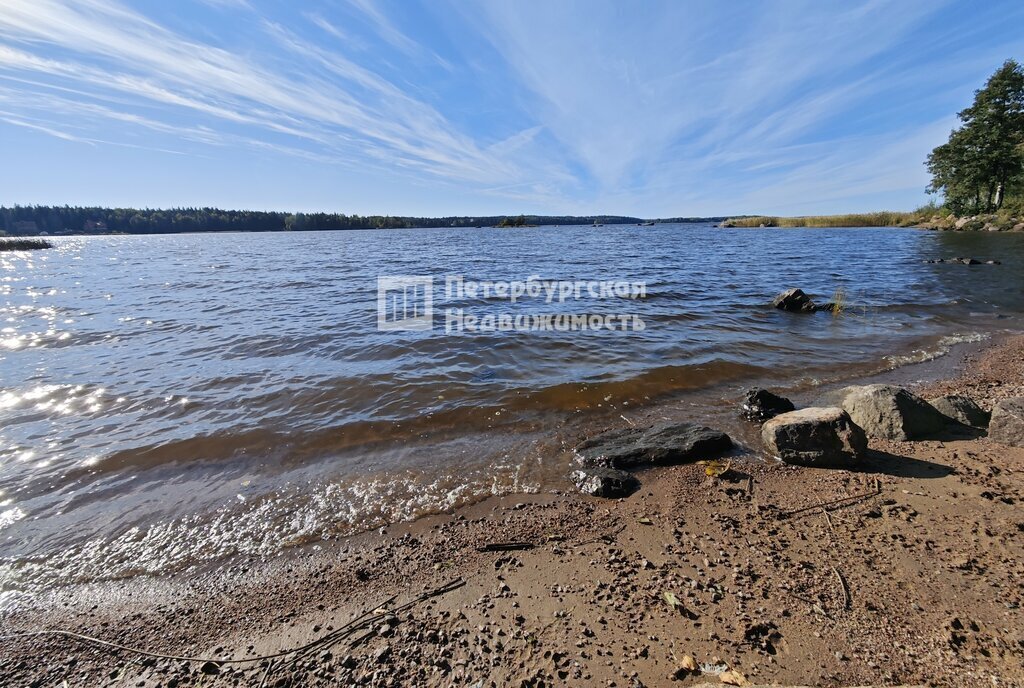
{"x":439,"y":107}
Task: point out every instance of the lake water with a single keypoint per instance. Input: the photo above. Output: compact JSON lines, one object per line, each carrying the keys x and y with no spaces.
{"x":168,"y":401}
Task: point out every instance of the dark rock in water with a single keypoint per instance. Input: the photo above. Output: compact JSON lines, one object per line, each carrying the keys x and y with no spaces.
{"x":662,"y":444}
{"x":759,"y":405}
{"x":961,"y":409}
{"x":892,"y":413}
{"x":1007,"y":425}
{"x":822,"y":437}
{"x":794,"y":300}
{"x":961,"y":261}
{"x":604,"y":482}
{"x":827,"y":307}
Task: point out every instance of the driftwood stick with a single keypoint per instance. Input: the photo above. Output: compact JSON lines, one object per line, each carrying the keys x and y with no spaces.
{"x":504,"y":546}
{"x":833,"y":502}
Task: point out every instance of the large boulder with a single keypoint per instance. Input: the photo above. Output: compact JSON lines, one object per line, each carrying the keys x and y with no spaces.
{"x":661,"y":444}
{"x":893,"y":413}
{"x":1007,"y":425}
{"x":794,"y":300}
{"x":815,"y":437}
{"x":759,"y":405}
{"x":604,"y":482}
{"x":961,"y":409}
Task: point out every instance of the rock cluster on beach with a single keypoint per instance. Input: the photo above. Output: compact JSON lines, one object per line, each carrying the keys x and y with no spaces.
{"x":994,"y":222}
{"x":838,"y":436}
{"x":824,"y":437}
{"x":601,"y":459}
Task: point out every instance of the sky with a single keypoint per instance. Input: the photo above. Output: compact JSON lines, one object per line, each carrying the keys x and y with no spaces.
{"x":473,"y":107}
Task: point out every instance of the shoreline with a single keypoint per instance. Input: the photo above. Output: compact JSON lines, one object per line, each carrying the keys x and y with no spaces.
{"x":919,"y":583}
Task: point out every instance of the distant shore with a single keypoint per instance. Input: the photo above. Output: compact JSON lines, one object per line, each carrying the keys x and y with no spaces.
{"x":23,"y":221}
{"x":913,"y":577}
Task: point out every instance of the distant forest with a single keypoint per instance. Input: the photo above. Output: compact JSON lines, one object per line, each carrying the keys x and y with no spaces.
{"x":32,"y":220}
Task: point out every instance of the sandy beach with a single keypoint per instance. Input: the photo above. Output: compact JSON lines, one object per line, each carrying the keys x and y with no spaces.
{"x":907,"y":571}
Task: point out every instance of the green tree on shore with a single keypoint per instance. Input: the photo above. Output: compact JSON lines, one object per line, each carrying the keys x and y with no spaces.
{"x":983,"y":161}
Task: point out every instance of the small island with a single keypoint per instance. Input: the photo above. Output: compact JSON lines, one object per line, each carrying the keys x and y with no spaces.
{"x":24,"y":244}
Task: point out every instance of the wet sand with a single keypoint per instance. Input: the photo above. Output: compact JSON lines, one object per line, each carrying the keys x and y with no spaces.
{"x":909,"y":571}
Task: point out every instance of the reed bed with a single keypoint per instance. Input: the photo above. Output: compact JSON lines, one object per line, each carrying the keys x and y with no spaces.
{"x":879,"y":219}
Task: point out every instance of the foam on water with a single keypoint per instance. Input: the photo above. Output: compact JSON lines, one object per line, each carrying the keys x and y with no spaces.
{"x":941,"y":348}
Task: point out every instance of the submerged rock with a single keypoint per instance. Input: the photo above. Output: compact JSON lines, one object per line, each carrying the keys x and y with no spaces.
{"x":961,"y":409}
{"x":759,"y":405}
{"x":1007,"y":425}
{"x":815,"y":437}
{"x":962,"y":261}
{"x":795,"y":301}
{"x":892,"y":413}
{"x":604,"y":482}
{"x":661,"y":444}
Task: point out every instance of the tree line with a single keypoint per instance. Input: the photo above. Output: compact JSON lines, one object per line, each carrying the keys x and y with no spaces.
{"x":26,"y":220}
{"x":981,"y":168}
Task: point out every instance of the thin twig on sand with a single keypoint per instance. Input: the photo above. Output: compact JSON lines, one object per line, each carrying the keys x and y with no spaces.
{"x":846,"y":588}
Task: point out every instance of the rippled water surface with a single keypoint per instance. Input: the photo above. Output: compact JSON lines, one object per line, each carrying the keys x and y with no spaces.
{"x":166,"y":401}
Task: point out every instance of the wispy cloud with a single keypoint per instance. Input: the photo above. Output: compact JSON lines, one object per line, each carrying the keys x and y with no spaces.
{"x":584,"y":105}
{"x":355,"y":112}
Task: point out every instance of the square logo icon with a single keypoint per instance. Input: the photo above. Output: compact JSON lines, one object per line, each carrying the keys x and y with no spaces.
{"x":405,"y":302}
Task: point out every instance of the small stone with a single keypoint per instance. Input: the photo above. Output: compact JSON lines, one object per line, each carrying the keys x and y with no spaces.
{"x":794,"y":301}
{"x":760,"y":405}
{"x":382,"y":654}
{"x":604,"y":482}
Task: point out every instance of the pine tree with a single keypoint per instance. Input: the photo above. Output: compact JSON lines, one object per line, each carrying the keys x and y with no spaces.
{"x":983,"y":161}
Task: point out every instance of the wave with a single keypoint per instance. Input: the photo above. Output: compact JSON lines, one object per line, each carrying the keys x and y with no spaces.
{"x":941,"y":348}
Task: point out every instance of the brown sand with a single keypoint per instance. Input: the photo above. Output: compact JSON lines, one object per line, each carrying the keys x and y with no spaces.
{"x":915,"y":577}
